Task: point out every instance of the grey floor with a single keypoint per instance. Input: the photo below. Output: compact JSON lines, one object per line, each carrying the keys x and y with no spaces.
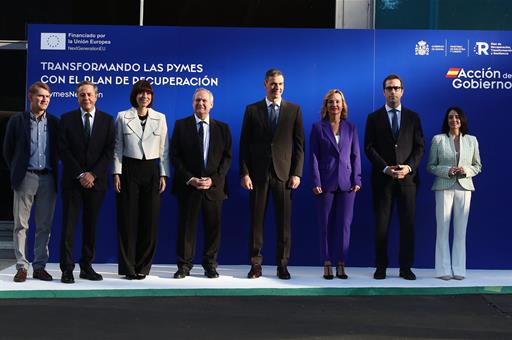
{"x":325,"y":317}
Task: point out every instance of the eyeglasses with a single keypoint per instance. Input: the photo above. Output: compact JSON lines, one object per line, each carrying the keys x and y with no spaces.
{"x":390,"y":88}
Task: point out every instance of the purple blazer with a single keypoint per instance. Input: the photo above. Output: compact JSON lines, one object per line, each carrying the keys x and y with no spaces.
{"x":334,"y":165}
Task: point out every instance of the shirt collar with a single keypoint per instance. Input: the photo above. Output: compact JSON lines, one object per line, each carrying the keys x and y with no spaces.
{"x":206,"y":120}
{"x":278,"y":103}
{"x":92,"y":112}
{"x":398,"y":108}
{"x":43,"y":116}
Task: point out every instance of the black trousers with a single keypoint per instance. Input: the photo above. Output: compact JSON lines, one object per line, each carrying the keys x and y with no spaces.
{"x":258,"y":199}
{"x":89,"y":202}
{"x":138,"y":214}
{"x":191,"y":203}
{"x":384,"y":198}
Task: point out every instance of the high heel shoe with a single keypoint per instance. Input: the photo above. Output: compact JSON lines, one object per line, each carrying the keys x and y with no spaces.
{"x":328,"y":272}
{"x":340,"y":271}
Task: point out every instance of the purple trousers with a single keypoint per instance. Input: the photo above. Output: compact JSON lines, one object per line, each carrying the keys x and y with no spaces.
{"x":335,"y":211}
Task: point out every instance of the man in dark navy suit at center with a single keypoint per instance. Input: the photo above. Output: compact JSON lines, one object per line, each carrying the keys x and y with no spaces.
{"x":86,"y":146}
{"x":394,"y":145}
{"x":271,"y":161}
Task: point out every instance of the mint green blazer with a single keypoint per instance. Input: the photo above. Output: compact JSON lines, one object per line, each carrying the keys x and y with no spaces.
{"x":442,"y":157}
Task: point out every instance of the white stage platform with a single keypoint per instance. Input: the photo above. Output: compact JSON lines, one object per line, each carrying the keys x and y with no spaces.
{"x":233,"y":282}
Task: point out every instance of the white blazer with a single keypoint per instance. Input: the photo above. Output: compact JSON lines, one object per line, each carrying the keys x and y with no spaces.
{"x":442,"y":157}
{"x":132,"y":142}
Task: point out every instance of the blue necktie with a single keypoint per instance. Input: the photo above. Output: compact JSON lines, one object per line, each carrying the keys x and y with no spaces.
{"x":272,"y":117}
{"x":394,"y":123}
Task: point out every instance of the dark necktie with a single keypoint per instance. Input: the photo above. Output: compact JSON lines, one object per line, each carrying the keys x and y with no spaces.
{"x":87,"y":127}
{"x":394,"y":123}
{"x":272,"y":117}
{"x":200,"y":132}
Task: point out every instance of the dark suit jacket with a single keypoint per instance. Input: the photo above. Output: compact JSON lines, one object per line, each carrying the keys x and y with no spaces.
{"x":382,"y":150}
{"x":187,"y":159}
{"x":259,"y":147}
{"x":17,"y":146}
{"x":335,"y":165}
{"x":77,"y":157}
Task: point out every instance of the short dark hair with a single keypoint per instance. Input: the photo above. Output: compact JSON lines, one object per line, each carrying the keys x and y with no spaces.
{"x":272,"y":73}
{"x":38,"y":85}
{"x":139,"y":87}
{"x":86,"y":82}
{"x":391,"y":77}
{"x":463,"y":121}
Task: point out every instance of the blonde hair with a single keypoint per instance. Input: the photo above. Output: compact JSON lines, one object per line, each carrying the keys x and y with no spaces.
{"x":344,"y":110}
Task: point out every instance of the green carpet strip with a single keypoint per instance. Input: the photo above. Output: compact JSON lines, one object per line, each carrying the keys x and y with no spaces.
{"x":371,"y":291}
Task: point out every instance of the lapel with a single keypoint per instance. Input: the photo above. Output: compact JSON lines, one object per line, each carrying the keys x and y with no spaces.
{"x":77,"y":121}
{"x":384,"y":122}
{"x":463,"y":147}
{"x":26,"y":127}
{"x":263,"y":115}
{"x":326,"y":127}
{"x":214,"y":139}
{"x":403,"y":122}
{"x":343,"y":134}
{"x":152,"y":124}
{"x":133,"y":122}
{"x":282,"y":113}
{"x":96,"y":125}
{"x":191,"y":131}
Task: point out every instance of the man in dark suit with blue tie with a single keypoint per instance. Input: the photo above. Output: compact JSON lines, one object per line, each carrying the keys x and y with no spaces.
{"x":271,"y":160}
{"x":394,"y":145}
{"x":86,"y":145}
{"x":201,"y":156}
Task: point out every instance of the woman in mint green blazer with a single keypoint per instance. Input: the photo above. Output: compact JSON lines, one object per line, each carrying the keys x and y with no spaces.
{"x":454,"y":160}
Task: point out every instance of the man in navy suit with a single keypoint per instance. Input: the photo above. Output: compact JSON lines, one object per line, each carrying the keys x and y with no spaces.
{"x":394,"y":145}
{"x":30,"y":151}
{"x":86,"y":145}
{"x":201,"y":156}
{"x":271,"y":161}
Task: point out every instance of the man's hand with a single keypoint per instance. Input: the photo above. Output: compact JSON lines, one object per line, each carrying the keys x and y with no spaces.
{"x":397,"y":171}
{"x":294,"y":182}
{"x":246,"y":182}
{"x":203,"y":183}
{"x":317,"y":190}
{"x":87,"y":180}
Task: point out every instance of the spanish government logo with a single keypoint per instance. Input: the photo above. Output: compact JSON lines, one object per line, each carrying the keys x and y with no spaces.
{"x":53,"y":41}
{"x":421,"y":48}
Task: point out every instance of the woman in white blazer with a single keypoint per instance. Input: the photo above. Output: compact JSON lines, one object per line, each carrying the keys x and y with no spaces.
{"x":141,"y":166}
{"x":454,"y":160}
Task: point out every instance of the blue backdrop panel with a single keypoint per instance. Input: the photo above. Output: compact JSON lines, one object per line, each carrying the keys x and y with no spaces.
{"x":232,"y":62}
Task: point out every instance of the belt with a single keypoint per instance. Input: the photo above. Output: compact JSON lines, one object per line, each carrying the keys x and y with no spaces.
{"x":39,"y":172}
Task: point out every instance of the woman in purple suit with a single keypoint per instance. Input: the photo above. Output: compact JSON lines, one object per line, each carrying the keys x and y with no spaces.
{"x":336,"y":175}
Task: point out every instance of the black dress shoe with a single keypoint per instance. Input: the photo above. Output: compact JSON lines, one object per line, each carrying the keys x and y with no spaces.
{"x":90,"y":274}
{"x":42,"y":275}
{"x":282,"y":273}
{"x":255,"y":271}
{"x":67,"y":277}
{"x":407,"y":274}
{"x":181,"y":273}
{"x":211,"y":273}
{"x":380,"y":273}
{"x":130,"y":276}
{"x":140,"y":276}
